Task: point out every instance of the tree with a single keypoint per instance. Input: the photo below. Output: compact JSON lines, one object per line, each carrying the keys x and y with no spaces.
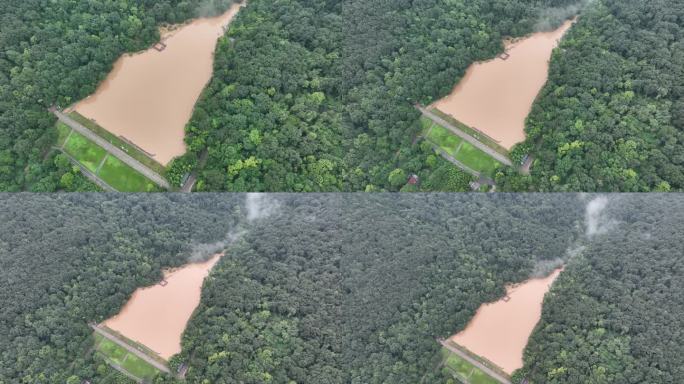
{"x":397,"y":178}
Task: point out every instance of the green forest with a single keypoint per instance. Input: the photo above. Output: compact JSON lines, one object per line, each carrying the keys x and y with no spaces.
{"x":70,"y":259}
{"x":615,"y":313}
{"x":318,"y":95}
{"x":344,"y":288}
{"x":356,"y":289}
{"x":55,"y":53}
{"x":611,"y":117}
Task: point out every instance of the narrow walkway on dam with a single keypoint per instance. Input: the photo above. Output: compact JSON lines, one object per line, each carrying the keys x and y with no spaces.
{"x":465,"y":356}
{"x":130,"y":349}
{"x":113,"y":150}
{"x":476,"y":143}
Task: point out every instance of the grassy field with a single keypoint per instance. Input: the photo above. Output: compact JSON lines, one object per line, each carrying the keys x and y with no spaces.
{"x":139,"y":368}
{"x":85,"y":151}
{"x":113,"y":171}
{"x":458,"y":148}
{"x":62,"y":133}
{"x":130,"y":149}
{"x":444,"y":139}
{"x":481,"y":136}
{"x":425,"y":123}
{"x":463,"y":370}
{"x":476,"y":159}
{"x":124,"y":178}
{"x":119,"y":356}
{"x":112,"y":351}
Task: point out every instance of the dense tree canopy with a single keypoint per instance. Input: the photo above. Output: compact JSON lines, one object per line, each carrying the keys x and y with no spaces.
{"x":312,"y":95}
{"x":71,"y":259}
{"x":318,"y":95}
{"x":330,"y":288}
{"x":611,"y":117}
{"x":307,"y":95}
{"x":345,"y":288}
{"x":615,"y":315}
{"x":355,"y":289}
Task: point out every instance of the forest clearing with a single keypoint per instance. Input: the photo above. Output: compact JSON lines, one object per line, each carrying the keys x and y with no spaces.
{"x":127,"y":356}
{"x":111,"y":164}
{"x":471,"y":159}
{"x":461,"y":148}
{"x":467,"y":367}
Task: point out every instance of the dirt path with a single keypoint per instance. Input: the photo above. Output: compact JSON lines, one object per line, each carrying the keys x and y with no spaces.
{"x":130,"y":349}
{"x":478,"y":144}
{"x":190,"y":182}
{"x":493,"y":374}
{"x":114,"y":151}
{"x":525,"y":169}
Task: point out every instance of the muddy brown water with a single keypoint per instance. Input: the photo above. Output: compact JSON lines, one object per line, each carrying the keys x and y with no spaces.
{"x":156,"y":316}
{"x":496,"y":96}
{"x":148,"y":97}
{"x":499,"y":330}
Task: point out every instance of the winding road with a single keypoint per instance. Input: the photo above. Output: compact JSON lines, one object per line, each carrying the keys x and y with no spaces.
{"x":130,"y":349}
{"x":493,"y":374}
{"x":113,"y":150}
{"x":475,"y":142}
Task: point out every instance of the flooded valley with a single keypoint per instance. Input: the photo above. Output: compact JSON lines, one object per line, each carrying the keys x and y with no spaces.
{"x":499,"y":331}
{"x":496,"y":96}
{"x":156,"y":316}
{"x":148,"y":97}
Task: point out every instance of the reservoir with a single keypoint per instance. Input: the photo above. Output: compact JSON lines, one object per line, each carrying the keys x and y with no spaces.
{"x":149,"y":96}
{"x":496,"y":96}
{"x":499,"y":330}
{"x":156,"y":316}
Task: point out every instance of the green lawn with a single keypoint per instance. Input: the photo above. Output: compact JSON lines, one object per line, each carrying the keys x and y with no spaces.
{"x":112,"y":351}
{"x":425,"y":123}
{"x":458,"y":148}
{"x":445,"y":139}
{"x":124,"y":178}
{"x":132,"y":150}
{"x":480,"y":136}
{"x":464,"y":371}
{"x":476,"y":159}
{"x":114,"y":172}
{"x":138,"y":367}
{"x":458,"y":365}
{"x":85,"y":151}
{"x":118,"y":355}
{"x":62,"y":133}
{"x":479,"y":377}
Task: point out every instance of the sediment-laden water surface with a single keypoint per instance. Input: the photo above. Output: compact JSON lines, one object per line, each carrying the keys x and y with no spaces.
{"x":496,"y":96}
{"x":149,"y":96}
{"x":156,"y":316}
{"x":499,"y":331}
